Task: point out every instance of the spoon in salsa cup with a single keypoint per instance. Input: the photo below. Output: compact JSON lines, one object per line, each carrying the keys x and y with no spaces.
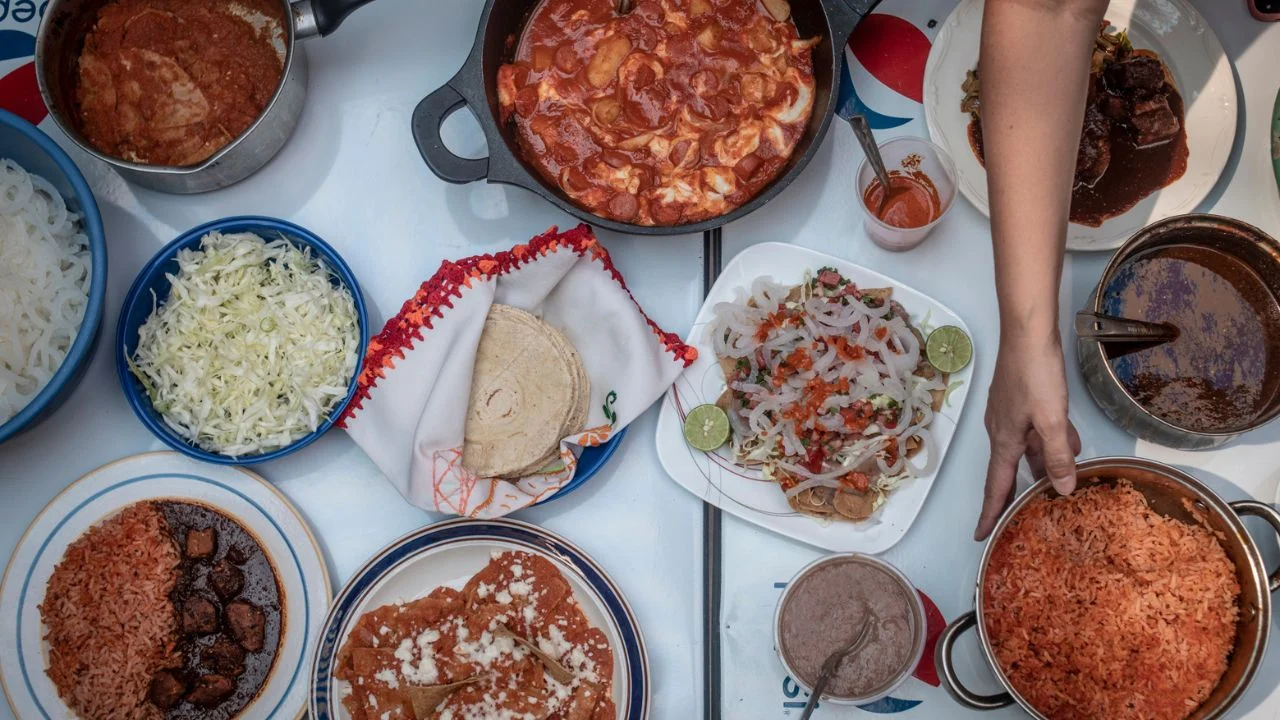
{"x":862,"y":131}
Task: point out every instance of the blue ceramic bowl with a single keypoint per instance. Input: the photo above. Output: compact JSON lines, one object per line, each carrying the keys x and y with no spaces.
{"x":138,"y":306}
{"x":590,"y":462}
{"x":23,"y":143}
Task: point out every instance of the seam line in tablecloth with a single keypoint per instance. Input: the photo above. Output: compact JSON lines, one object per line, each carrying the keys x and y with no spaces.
{"x":712,"y":578}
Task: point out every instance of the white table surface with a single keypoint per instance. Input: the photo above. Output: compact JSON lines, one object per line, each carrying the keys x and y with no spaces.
{"x":352,"y":174}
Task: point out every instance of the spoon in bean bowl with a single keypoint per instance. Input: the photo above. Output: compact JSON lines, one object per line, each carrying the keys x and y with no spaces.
{"x":832,"y":664}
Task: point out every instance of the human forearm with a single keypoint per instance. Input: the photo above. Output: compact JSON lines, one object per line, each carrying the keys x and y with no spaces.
{"x":1034,"y":71}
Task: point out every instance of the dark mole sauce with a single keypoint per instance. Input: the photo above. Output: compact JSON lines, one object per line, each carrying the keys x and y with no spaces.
{"x":1134,"y":173}
{"x":1223,"y":370}
{"x":261,"y":588}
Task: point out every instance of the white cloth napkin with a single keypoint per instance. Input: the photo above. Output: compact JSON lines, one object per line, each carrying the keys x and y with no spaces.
{"x":410,"y":410}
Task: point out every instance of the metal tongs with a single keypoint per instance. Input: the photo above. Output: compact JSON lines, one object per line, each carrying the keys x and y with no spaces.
{"x":1111,"y":329}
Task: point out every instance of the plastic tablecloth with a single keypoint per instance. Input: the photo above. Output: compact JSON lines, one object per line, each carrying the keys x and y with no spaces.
{"x":351,"y":174}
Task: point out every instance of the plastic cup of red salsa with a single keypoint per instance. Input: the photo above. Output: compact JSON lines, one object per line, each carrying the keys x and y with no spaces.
{"x":923,"y":189}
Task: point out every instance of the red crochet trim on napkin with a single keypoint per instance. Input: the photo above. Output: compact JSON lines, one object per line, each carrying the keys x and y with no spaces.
{"x":401,"y":331}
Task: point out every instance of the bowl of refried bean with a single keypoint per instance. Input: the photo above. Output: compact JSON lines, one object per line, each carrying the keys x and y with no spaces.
{"x":822,"y":610}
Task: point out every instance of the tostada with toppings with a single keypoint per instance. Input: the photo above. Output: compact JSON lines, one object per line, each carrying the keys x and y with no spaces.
{"x":828,"y":391}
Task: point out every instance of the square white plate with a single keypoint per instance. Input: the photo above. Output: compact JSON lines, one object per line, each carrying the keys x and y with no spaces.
{"x":717,"y":479}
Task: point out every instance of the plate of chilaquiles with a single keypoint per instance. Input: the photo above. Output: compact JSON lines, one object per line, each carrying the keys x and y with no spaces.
{"x":839,"y":424}
{"x":480,"y":619}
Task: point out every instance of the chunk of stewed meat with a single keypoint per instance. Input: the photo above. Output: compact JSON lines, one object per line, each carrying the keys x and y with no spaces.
{"x":248,"y":625}
{"x":1136,"y":73}
{"x":1093,"y":157}
{"x":167,"y":689}
{"x":223,"y":657}
{"x":201,"y":544}
{"x":210,"y":690}
{"x":199,"y":616}
{"x":238,"y":554}
{"x":1114,"y":107}
{"x":1153,"y":121}
{"x":226,"y":579}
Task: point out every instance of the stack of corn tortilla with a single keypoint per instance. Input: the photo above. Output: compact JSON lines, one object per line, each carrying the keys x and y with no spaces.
{"x":528,"y":391}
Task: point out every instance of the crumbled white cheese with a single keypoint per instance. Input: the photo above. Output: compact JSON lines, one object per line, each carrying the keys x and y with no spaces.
{"x":555,"y":643}
{"x":486,"y":649}
{"x":384,"y":630}
{"x":520,"y":587}
{"x":388,"y":677}
{"x":428,"y":638}
{"x":483,"y":590}
{"x":560,"y":691}
{"x":373,"y":701}
{"x":503,"y":597}
{"x":582,"y":666}
{"x":517,"y":570}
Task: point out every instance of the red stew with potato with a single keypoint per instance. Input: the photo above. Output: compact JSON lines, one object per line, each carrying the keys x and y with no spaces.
{"x":677,"y":112}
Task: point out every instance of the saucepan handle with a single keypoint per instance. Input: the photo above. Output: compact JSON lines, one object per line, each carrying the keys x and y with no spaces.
{"x":844,"y":16}
{"x":427,"y":119}
{"x":321,"y":17}
{"x":947,"y":670}
{"x":1268,"y":513}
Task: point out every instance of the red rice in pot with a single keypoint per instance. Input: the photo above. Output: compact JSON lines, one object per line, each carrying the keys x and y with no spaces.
{"x":1098,"y":607}
{"x":108,"y":620}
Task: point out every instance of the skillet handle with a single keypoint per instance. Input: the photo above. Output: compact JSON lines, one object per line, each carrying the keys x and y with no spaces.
{"x":321,"y":17}
{"x":844,"y":16}
{"x":427,"y":119}
{"x":947,"y":670}
{"x":1268,"y":513}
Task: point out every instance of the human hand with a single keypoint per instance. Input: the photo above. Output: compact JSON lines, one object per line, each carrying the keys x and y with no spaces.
{"x":1027,"y":415}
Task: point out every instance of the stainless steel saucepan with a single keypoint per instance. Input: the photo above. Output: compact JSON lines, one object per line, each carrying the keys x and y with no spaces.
{"x":1246,"y":243}
{"x":58,"y":46}
{"x":1166,"y":489}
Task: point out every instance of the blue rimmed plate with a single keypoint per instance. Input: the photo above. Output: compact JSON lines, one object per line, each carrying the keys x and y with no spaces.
{"x":449,"y":553}
{"x":235,"y":492}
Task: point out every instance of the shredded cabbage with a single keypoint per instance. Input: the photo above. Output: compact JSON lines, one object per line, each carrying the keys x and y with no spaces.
{"x":254,"y":347}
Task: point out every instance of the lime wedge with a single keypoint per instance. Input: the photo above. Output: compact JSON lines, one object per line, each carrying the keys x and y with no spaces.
{"x":706,"y":428}
{"x":949,"y":349}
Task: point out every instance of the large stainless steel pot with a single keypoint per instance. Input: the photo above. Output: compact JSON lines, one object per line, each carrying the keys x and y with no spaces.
{"x":58,"y":46}
{"x":475,"y":87}
{"x":1252,"y":246}
{"x":1165,"y":489}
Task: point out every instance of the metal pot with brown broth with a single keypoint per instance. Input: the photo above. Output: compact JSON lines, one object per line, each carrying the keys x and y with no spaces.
{"x":1223,"y":370}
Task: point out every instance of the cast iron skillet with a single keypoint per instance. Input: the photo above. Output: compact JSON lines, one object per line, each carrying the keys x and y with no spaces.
{"x":475,"y":85}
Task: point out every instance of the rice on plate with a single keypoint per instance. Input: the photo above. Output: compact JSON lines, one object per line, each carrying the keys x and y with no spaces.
{"x":44,"y":284}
